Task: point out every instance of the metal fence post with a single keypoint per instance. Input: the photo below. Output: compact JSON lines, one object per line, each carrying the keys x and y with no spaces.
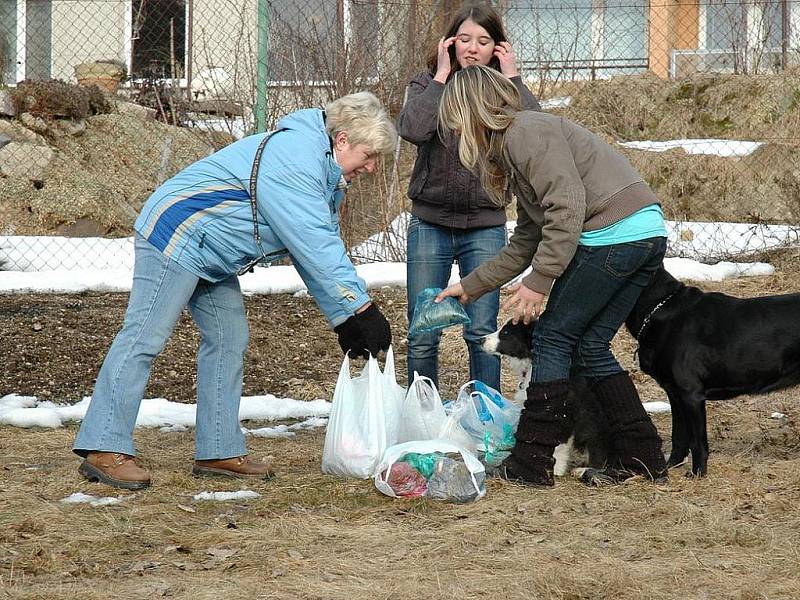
{"x":261,"y":73}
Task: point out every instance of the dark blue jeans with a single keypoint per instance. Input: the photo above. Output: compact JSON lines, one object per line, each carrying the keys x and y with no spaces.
{"x":587,"y":306}
{"x":431,"y":253}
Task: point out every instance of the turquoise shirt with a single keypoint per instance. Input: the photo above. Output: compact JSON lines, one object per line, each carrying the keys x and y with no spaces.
{"x":645,"y":223}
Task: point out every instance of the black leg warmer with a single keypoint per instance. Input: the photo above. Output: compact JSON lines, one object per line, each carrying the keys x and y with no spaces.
{"x":636,"y":443}
{"x":543,"y":425}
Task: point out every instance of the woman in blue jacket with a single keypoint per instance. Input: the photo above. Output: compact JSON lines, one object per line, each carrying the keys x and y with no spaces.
{"x":453,"y":218}
{"x":261,"y":198}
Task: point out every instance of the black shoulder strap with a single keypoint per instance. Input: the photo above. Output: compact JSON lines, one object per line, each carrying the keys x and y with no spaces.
{"x":254,"y":182}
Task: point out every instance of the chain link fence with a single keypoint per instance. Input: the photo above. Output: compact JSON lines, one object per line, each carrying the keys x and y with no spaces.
{"x":702,"y":96}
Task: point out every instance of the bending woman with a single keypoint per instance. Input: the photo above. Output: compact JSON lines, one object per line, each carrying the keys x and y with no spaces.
{"x":261,"y":198}
{"x":593,"y":234}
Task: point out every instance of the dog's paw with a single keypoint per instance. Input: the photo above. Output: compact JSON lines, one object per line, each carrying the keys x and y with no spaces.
{"x":595,"y":477}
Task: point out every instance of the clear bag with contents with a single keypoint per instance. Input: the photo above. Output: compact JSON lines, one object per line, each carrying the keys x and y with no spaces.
{"x":489,"y":418}
{"x":435,"y":469}
{"x":430,"y":317}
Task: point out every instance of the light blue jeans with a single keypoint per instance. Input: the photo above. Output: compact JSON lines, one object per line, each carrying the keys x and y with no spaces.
{"x":431,"y":252}
{"x":160,"y":291}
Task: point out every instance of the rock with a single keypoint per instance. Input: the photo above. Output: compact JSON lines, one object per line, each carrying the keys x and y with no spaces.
{"x":4,"y":139}
{"x":6,"y":105}
{"x":68,"y":127}
{"x":18,"y":133}
{"x":143,"y":112}
{"x":83,"y":227}
{"x":36,"y":124}
{"x":21,"y":159}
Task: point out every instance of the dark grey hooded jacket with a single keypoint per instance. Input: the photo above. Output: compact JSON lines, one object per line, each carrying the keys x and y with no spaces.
{"x":442,"y":190}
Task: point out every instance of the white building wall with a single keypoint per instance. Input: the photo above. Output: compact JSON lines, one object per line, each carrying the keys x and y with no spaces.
{"x":86,"y":31}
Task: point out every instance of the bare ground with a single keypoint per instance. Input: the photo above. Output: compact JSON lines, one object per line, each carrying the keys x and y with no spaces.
{"x":734,"y":534}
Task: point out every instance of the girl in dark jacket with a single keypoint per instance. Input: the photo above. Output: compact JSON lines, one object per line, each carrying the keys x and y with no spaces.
{"x":453,"y":219}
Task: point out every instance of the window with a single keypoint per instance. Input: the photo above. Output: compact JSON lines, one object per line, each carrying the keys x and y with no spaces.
{"x":738,"y":26}
{"x":750,"y":33}
{"x":323,"y":40}
{"x":158,"y":35}
{"x":588,"y":38}
{"x":8,"y":40}
{"x":625,"y":31}
{"x":726,"y":27}
{"x":25,"y":40}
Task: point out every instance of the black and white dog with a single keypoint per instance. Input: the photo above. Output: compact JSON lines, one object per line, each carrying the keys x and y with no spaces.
{"x":587,"y":450}
{"x":703,"y":346}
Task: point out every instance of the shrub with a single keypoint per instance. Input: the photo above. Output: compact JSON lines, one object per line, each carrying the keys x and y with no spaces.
{"x":56,"y":98}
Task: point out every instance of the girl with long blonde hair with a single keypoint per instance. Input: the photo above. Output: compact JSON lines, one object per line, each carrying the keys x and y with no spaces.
{"x":592,"y":233}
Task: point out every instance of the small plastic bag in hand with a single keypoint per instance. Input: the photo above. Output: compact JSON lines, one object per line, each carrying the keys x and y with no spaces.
{"x":430,"y":317}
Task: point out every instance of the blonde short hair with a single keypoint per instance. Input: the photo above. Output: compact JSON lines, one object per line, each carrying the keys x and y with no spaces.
{"x":365,"y":121}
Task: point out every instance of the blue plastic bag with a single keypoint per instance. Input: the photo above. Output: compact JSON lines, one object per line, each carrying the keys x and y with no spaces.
{"x":430,"y":317}
{"x":491,"y":419}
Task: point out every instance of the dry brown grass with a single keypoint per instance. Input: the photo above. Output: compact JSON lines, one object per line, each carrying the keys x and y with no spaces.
{"x":764,"y":108}
{"x":104,"y":175}
{"x":733,"y":535}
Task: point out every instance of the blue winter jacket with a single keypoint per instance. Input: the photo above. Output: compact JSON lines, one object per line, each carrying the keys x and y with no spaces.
{"x":201,"y":218}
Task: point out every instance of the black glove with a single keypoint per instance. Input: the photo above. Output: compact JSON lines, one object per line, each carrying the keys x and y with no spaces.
{"x":365,"y":333}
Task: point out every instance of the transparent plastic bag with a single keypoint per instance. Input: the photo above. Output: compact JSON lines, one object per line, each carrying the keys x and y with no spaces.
{"x":423,"y":416}
{"x":489,"y":419}
{"x":453,"y":481}
{"x":457,"y":475}
{"x":430,"y":317}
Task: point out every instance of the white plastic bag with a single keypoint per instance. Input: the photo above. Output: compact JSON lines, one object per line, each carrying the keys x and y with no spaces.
{"x":489,"y":418}
{"x":477,"y":475}
{"x":357,"y":433}
{"x":393,"y":396}
{"x":423,"y":416}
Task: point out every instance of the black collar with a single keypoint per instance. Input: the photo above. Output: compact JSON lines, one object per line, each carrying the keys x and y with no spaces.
{"x":649,"y":316}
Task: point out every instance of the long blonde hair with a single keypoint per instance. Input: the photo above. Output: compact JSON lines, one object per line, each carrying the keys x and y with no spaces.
{"x":480,"y":104}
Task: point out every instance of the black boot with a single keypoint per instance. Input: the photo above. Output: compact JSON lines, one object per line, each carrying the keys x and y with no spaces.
{"x":543,"y":425}
{"x":636,"y":445}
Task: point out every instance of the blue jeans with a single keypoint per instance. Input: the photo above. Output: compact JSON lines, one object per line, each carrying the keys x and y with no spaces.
{"x":160,"y":290}
{"x":431,"y":252}
{"x":587,"y":306}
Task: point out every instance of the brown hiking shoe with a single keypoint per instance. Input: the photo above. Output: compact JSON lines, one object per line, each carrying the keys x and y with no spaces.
{"x":238,"y":466}
{"x":114,"y":469}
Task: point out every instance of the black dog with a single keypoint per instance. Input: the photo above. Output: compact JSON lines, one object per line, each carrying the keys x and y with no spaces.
{"x":703,"y":346}
{"x":586,"y":452}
